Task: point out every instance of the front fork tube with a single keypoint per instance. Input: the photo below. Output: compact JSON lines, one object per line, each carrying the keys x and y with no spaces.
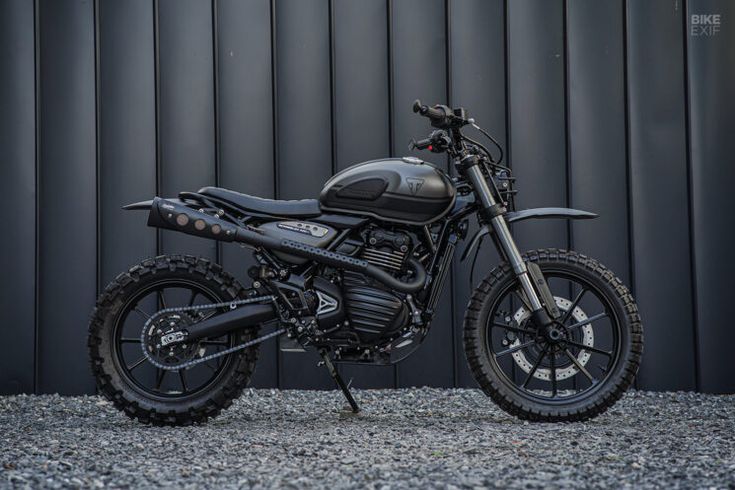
{"x":508,"y":245}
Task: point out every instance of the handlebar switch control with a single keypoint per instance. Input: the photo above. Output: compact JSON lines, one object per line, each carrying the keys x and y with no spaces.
{"x":437,"y":142}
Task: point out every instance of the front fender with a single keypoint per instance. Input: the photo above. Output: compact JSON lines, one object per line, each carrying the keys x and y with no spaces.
{"x":547,"y":213}
{"x":538,"y":213}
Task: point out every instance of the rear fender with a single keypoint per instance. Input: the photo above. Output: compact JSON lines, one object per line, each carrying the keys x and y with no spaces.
{"x":147,"y":205}
{"x":138,"y":206}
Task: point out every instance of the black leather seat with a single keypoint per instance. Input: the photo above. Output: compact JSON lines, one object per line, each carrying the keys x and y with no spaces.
{"x":303,"y":208}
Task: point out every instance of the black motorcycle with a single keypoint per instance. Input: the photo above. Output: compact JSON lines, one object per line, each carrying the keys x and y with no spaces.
{"x":549,"y":335}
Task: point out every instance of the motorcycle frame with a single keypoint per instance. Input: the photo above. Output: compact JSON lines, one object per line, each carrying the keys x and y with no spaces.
{"x":443,"y":249}
{"x":488,"y":204}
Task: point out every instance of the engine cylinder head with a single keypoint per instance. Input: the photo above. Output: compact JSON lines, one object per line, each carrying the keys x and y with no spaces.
{"x":389,"y":260}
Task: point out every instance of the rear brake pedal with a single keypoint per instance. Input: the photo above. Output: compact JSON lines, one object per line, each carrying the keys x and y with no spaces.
{"x":286,"y":344}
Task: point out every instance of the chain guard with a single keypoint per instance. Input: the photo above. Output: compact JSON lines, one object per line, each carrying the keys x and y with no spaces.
{"x":173,"y":338}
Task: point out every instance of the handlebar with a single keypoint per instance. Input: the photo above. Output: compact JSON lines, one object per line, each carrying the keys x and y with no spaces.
{"x":441,"y":116}
{"x":438,"y":112}
{"x":420,"y":144}
{"x":449,"y":138}
{"x":437,"y":142}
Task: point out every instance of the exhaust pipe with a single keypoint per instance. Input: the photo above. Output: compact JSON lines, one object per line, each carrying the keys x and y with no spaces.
{"x":172,"y":215}
{"x":175,"y":216}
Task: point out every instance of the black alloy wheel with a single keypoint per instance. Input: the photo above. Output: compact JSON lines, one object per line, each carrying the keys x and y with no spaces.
{"x":139,"y":388}
{"x":575,"y":368}
{"x":161,"y":383}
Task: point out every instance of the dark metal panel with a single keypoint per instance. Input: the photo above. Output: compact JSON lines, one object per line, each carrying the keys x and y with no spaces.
{"x":18,"y":186}
{"x":362,"y":131}
{"x":127,"y":139}
{"x":304,"y":114}
{"x":304,"y":132}
{"x":711,"y":71}
{"x":67,"y":243}
{"x":186,"y":109}
{"x":537,"y":116}
{"x":361,"y":81}
{"x":598,"y":167}
{"x":244,"y":91}
{"x":658,"y":188}
{"x":536,"y":119}
{"x":419,"y":72}
{"x":477,"y":54}
{"x":598,"y":175}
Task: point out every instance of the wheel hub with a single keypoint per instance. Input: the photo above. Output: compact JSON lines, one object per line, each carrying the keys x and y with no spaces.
{"x":554,"y":334}
{"x":163,"y":339}
{"x":553,"y":339}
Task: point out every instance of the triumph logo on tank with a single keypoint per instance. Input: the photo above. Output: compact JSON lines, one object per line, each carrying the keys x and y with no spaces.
{"x":705,"y":25}
{"x":414,"y":184}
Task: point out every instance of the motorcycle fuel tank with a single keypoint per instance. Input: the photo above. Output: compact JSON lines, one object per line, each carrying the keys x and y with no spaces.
{"x":405,"y":190}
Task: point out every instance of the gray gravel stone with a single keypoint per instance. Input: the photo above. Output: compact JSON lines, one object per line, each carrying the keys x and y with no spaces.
{"x":417,"y":438}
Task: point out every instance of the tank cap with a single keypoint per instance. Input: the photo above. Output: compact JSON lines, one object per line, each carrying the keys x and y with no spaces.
{"x":413,"y":160}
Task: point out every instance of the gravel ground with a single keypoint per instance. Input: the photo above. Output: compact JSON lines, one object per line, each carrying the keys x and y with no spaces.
{"x":404,"y":438}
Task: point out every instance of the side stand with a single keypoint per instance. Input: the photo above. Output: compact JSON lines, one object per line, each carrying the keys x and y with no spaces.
{"x":340,"y":382}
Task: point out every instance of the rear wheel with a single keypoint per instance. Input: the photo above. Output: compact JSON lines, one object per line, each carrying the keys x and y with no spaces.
{"x":124,"y":374}
{"x":572,"y":371}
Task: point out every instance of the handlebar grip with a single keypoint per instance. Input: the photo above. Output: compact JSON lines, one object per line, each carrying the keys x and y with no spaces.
{"x":436,"y":114}
{"x":422,"y":144}
{"x":432,"y":113}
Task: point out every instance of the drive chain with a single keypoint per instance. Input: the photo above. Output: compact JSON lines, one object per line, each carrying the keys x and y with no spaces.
{"x":188,"y":309}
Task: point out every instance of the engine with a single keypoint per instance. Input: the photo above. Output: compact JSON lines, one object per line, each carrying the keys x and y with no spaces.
{"x":386,"y":249}
{"x":373,"y":311}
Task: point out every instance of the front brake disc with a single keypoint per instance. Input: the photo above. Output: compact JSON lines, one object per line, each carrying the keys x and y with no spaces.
{"x":564,"y":370}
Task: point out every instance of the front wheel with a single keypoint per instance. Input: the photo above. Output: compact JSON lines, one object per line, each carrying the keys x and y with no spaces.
{"x":574,"y":370}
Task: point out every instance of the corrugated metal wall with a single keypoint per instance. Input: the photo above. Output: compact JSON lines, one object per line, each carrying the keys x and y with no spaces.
{"x":611,"y":106}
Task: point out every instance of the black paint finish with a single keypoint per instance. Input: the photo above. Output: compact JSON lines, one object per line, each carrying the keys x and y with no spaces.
{"x":611,"y":106}
{"x":18,"y":185}
{"x":304,"y":133}
{"x":596,"y":114}
{"x":418,"y":40}
{"x":67,"y":188}
{"x":536,"y":105}
{"x":659,"y":196}
{"x":477,"y":75}
{"x":711,"y":83}
{"x":127,"y":139}
{"x":245,"y":123}
{"x":360,"y":80}
{"x":186,"y":109}
{"x":596,"y":135}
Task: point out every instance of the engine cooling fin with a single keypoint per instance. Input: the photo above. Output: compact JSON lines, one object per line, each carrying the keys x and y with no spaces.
{"x":390,"y":260}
